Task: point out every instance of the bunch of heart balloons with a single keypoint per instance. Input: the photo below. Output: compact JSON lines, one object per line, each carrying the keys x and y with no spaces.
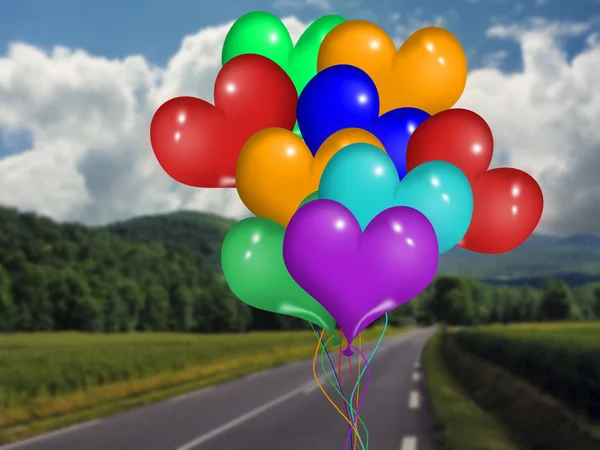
{"x":356,"y":167}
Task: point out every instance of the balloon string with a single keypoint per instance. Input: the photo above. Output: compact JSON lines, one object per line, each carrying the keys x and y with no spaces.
{"x":349,"y":403}
{"x":369,"y":362}
{"x":340,"y":391}
{"x":323,"y":390}
{"x":358,"y":381}
{"x":353,"y":443}
{"x":362,"y":355}
{"x":340,"y":372}
{"x":340,"y":358}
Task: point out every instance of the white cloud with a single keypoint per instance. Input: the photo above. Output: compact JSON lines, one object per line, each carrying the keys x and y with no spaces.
{"x":294,"y":5}
{"x":407,"y":25}
{"x":89,"y":118}
{"x":544,"y":120}
{"x":494,"y":59}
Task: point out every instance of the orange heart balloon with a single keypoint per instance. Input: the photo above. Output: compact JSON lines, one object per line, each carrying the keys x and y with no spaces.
{"x":276,"y":171}
{"x":429,"y":71}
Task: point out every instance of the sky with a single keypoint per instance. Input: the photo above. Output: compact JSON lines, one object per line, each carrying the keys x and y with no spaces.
{"x":80,"y":81}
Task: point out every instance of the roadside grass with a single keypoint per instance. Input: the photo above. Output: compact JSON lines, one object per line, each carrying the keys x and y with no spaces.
{"x":191,"y":362}
{"x":561,"y":359}
{"x":540,"y":421}
{"x":460,"y":423}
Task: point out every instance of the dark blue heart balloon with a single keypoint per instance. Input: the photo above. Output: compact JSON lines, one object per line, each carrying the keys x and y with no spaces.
{"x":344,"y":96}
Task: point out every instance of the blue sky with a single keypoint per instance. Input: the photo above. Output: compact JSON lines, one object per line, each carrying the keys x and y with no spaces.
{"x":74,"y":125}
{"x":154,"y":28}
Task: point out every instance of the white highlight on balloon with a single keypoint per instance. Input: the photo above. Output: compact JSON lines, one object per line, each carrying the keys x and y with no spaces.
{"x":374,"y":44}
{"x":340,"y":224}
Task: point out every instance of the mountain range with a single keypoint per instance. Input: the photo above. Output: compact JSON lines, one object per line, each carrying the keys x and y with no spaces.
{"x":576,"y":259}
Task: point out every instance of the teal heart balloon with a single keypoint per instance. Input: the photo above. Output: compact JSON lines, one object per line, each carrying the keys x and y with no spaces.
{"x":364,"y":179}
{"x":264,"y":34}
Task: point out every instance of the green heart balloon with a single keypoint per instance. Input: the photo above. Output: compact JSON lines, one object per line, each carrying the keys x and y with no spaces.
{"x":309,"y":198}
{"x":264,"y":34}
{"x":252,"y":261}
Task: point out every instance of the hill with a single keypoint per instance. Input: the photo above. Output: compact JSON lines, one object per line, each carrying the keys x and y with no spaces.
{"x":199,"y":232}
{"x":68,"y":276}
{"x":162,"y":273}
{"x":575,"y":259}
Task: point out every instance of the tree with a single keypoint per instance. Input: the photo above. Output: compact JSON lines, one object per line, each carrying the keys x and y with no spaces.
{"x":182,"y":309}
{"x":451,"y":301}
{"x":33,"y":308}
{"x":73,"y":305}
{"x":133,"y":302}
{"x":596,"y":302}
{"x":530,"y":298}
{"x":557,"y":300}
{"x":154,"y":315}
{"x":7,"y":307}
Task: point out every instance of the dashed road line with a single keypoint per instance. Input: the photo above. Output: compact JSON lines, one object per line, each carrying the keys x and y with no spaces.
{"x":414,"y":400}
{"x":409,"y":443}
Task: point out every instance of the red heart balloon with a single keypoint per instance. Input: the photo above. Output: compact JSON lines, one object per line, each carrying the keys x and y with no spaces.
{"x":507,"y":206}
{"x":458,"y":136}
{"x":198,"y":144}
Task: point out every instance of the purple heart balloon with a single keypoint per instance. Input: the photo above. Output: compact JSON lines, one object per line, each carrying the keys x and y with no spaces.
{"x":357,"y":276}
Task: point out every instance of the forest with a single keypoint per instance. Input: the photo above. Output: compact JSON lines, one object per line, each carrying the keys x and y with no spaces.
{"x":155,"y":275}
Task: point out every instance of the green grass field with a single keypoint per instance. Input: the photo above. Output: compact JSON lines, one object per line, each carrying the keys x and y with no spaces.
{"x":48,"y":380}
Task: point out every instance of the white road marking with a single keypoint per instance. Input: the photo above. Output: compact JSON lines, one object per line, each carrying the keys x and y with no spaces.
{"x":416,"y":376}
{"x":307,"y":388}
{"x":256,"y":374}
{"x":409,"y":443}
{"x":414,"y":401}
{"x":241,"y":419}
{"x":417,"y":365}
{"x":49,"y":435}
{"x":190,"y":395}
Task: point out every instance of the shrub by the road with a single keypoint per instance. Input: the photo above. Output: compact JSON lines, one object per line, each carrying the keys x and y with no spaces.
{"x":541,"y":421}
{"x":561,"y":359}
{"x":461,"y":424}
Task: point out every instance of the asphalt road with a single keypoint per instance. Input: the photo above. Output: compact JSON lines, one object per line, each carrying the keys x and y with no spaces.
{"x":281,"y":408}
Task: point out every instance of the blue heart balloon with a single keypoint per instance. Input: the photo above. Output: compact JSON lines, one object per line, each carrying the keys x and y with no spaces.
{"x":344,"y":96}
{"x":364,"y":179}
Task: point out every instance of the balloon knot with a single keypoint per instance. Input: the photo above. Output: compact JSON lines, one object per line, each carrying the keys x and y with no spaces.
{"x":348,"y":352}
{"x":337,"y":341}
